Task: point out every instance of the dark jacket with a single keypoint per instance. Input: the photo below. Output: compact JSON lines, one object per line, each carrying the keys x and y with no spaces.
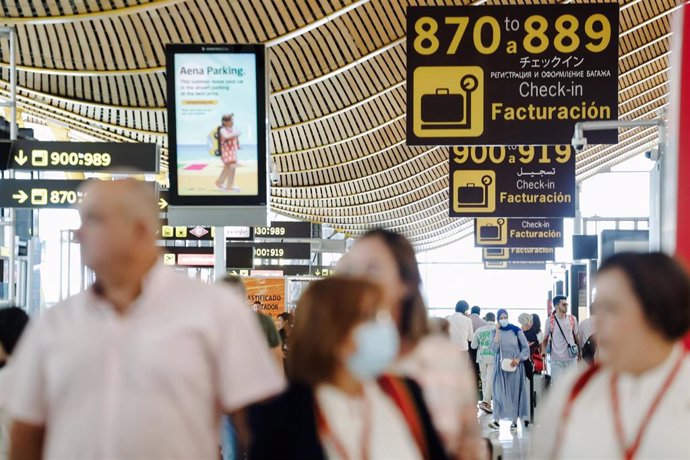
{"x":285,"y":427}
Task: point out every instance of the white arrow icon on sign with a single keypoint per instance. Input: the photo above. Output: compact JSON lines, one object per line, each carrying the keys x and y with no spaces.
{"x":162,"y":204}
{"x":20,"y":158}
{"x":20,"y":196}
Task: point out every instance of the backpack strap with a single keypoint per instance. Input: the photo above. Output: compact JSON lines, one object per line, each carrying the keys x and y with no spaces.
{"x":397,"y":390}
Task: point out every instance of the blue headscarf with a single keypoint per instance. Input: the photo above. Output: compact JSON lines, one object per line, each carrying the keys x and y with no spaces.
{"x":509,"y":327}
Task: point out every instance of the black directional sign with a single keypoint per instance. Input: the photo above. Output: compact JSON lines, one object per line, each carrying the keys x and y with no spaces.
{"x":19,"y":193}
{"x":513,"y":181}
{"x":518,"y":254}
{"x":163,"y":200}
{"x":518,"y":233}
{"x":508,"y":265}
{"x":84,"y":156}
{"x":510,"y":74}
{"x":284,"y":230}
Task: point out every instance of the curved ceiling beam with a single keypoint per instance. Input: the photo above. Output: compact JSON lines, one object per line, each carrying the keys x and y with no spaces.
{"x":103,"y":14}
{"x":422,"y":174}
{"x":342,"y":69}
{"x":86,"y":72}
{"x":411,"y":217}
{"x":96,"y":105}
{"x":346,"y":109}
{"x":367,"y":178}
{"x":440,"y":178}
{"x":344,"y":140}
{"x":313,"y":25}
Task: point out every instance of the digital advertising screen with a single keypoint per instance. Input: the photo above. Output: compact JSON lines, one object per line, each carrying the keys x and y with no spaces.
{"x":217,"y":124}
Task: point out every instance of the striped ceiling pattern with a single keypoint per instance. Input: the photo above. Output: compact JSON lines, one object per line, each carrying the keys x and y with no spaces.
{"x":337,"y":103}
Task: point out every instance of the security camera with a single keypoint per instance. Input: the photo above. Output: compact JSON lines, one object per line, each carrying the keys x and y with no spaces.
{"x":274,"y":173}
{"x":653,"y":154}
{"x":579,"y":143}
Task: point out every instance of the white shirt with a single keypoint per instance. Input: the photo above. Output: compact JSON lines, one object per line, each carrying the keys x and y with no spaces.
{"x":482,"y":342}
{"x":148,"y":385}
{"x":389,"y":435}
{"x":586,"y":331}
{"x":447,"y":383}
{"x":461,"y":330}
{"x":590,"y":432}
{"x":560,"y":340}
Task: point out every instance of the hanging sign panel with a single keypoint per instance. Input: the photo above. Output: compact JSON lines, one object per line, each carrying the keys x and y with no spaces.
{"x":502,"y":75}
{"x":40,"y":194}
{"x":525,"y":181}
{"x":519,"y":254}
{"x":133,"y":157}
{"x":508,"y":265}
{"x":518,"y":233}
{"x":284,"y":230}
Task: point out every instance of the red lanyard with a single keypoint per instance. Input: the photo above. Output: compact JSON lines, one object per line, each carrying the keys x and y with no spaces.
{"x":326,"y":432}
{"x":629,"y":451}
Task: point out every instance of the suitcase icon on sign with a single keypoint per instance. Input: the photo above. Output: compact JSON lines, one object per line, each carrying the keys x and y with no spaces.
{"x":446,"y":110}
{"x":473,"y":195}
{"x":491,"y":232}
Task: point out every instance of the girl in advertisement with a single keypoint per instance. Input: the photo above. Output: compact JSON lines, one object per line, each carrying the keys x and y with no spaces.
{"x":228,"y":138}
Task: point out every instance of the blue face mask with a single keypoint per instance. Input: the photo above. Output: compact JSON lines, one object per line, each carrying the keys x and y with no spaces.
{"x":377,"y":344}
{"x":503,"y":322}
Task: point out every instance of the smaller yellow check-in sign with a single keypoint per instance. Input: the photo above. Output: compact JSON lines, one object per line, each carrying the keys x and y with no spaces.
{"x":489,"y":230}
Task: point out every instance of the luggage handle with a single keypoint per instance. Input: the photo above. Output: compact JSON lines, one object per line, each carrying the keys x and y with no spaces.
{"x":442,"y":91}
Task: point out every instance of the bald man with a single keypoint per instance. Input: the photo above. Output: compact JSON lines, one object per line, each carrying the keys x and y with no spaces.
{"x":143,"y":364}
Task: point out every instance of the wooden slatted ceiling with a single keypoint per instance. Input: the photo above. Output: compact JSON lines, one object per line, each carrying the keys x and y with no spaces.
{"x":337,"y":80}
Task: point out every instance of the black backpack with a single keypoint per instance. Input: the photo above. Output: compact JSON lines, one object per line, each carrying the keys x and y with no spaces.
{"x":589,"y":349}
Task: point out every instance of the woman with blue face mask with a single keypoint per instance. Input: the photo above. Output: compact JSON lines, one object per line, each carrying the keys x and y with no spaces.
{"x":340,"y":405}
{"x":510,"y":390}
{"x":388,"y":259}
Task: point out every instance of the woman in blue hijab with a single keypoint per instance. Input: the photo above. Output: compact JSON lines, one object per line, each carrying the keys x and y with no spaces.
{"x":510,"y":390}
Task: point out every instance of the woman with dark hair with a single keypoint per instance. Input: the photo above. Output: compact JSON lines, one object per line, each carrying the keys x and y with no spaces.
{"x":285,"y":322}
{"x":634,"y":402}
{"x":536,"y":327}
{"x":509,"y":388}
{"x":536,"y":354}
{"x":339,"y":404}
{"x":389,"y":260}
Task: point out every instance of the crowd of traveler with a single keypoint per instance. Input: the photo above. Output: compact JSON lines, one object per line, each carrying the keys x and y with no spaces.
{"x":148,"y":363}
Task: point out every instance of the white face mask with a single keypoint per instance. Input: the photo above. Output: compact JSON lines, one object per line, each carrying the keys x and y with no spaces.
{"x":503,"y":322}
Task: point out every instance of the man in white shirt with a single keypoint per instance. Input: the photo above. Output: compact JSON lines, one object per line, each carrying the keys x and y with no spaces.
{"x":559,"y":336}
{"x":141,"y":365}
{"x":461,"y":331}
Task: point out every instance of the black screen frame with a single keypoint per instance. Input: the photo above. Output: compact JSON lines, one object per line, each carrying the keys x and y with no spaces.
{"x":259,"y":51}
